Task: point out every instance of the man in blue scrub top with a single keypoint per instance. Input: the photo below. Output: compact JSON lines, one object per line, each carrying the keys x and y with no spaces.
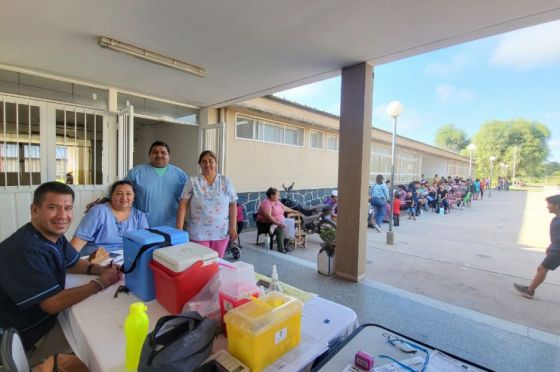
{"x":158,"y":186}
{"x":33,"y":265}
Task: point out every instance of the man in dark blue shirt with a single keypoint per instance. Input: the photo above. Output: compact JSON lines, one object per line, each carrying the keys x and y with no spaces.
{"x":552,"y":259}
{"x":33,"y":266}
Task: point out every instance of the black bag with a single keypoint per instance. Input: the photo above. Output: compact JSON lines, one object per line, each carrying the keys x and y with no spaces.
{"x":178,"y":343}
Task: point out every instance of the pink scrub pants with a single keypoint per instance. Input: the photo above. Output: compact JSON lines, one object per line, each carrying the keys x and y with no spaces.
{"x":217,"y":245}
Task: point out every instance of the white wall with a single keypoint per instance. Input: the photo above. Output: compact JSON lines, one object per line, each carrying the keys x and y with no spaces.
{"x":182,"y":140}
{"x":433,"y":166}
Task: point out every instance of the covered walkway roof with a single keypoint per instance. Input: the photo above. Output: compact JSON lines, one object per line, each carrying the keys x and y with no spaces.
{"x":249,"y":48}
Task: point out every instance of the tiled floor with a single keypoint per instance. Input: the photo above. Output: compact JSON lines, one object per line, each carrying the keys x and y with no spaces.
{"x":489,"y":341}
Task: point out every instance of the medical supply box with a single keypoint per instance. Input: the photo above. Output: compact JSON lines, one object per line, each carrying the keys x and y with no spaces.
{"x":180,"y":272}
{"x":239,"y":284}
{"x":261,"y":331}
{"x":138,"y":248}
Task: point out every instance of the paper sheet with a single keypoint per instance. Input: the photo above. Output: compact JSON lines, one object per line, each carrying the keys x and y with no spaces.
{"x":438,"y":362}
{"x":415,"y":363}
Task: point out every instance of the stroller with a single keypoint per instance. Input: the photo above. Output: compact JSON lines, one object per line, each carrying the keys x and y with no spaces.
{"x":234,"y":247}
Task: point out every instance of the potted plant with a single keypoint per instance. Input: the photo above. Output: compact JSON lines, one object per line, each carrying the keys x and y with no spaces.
{"x":325,"y":258}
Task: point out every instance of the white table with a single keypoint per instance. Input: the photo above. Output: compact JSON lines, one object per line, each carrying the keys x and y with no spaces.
{"x":94,"y":328}
{"x":373,"y":339}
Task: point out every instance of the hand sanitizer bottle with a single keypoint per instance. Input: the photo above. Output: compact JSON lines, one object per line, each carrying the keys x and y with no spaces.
{"x":275,"y":284}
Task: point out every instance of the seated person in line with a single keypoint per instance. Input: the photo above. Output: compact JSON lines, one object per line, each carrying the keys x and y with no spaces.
{"x":272,"y":211}
{"x":422,"y":193}
{"x":332,"y":202}
{"x":34,"y":261}
{"x":431,"y":197}
{"x":402,"y":196}
{"x":410,"y":204}
{"x":442,"y":197}
{"x":105,"y":223}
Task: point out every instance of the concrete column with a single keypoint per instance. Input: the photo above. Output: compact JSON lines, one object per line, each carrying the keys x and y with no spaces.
{"x":353,"y":170}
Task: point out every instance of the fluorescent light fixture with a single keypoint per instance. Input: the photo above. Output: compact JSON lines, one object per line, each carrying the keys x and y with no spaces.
{"x":119,"y":46}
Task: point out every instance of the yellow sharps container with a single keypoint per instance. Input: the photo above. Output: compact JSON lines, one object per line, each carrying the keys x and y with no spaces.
{"x":261,"y":331}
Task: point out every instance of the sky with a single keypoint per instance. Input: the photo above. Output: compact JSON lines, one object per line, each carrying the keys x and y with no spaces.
{"x":504,"y":77}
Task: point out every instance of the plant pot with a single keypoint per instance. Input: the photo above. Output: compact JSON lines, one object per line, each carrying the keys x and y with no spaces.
{"x":325,"y":263}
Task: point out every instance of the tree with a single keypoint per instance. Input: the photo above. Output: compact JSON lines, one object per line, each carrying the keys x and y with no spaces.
{"x":521,"y":141}
{"x":451,"y":138}
{"x":549,"y":168}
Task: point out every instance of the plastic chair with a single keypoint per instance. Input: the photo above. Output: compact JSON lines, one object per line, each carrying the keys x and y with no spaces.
{"x":466,"y":201}
{"x":12,"y":352}
{"x":263,"y":228}
{"x":451,"y":200}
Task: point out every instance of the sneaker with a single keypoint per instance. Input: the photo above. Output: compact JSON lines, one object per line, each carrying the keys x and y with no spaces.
{"x":370,"y":225}
{"x":524,"y":290}
{"x":376,"y":227}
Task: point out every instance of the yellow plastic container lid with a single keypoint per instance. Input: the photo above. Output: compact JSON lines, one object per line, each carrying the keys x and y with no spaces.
{"x":260,"y":314}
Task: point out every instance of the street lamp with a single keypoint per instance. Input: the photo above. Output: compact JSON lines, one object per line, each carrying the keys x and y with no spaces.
{"x":471,"y":148}
{"x":394,"y":109}
{"x":492,"y":159}
{"x":514,"y":164}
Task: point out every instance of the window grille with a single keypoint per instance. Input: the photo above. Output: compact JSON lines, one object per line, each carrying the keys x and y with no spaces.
{"x":79,"y":147}
{"x":20,"y":152}
{"x":264,"y":131}
{"x":315,"y":139}
{"x":332,"y":143}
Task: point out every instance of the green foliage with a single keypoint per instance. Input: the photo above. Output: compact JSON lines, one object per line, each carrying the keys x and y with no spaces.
{"x":521,"y":141}
{"x":551,"y":168}
{"x":450,"y":138}
{"x":328,"y":236}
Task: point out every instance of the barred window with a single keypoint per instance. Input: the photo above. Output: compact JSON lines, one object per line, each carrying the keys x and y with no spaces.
{"x":20,"y":156}
{"x":79,"y":147}
{"x":332,"y":143}
{"x":264,"y":131}
{"x":293,"y":136}
{"x":246,"y":128}
{"x":315,"y":139}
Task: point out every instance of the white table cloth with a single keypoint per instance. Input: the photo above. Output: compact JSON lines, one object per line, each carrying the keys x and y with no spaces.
{"x":94,"y":328}
{"x":290,"y":228}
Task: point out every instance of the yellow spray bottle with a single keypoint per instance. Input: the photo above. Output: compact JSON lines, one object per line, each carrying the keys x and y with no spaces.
{"x":135,"y":329}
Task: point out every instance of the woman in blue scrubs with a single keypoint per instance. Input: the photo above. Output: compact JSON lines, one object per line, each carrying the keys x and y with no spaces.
{"x":105,"y":223}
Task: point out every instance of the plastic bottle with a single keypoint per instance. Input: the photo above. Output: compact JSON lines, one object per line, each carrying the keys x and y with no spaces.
{"x":267,"y":242}
{"x":135,"y":329}
{"x":441,"y":211}
{"x":275,"y":283}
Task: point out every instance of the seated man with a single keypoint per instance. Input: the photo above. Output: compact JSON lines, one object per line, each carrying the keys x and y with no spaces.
{"x":431,"y":198}
{"x":33,"y":265}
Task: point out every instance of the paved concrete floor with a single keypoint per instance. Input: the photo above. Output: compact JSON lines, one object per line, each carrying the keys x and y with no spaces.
{"x":470,"y":258}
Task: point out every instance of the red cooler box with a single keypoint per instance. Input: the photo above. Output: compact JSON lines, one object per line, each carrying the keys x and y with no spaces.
{"x":180,"y":272}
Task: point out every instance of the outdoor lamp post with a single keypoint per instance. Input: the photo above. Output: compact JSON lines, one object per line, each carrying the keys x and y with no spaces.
{"x":394,"y":109}
{"x":492,"y":159}
{"x":471,"y":148}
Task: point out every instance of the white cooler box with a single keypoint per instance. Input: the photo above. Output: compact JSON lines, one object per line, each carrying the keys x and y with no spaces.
{"x":180,"y":257}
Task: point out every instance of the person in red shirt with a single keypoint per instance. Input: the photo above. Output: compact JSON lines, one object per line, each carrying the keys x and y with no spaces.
{"x":396,"y":210}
